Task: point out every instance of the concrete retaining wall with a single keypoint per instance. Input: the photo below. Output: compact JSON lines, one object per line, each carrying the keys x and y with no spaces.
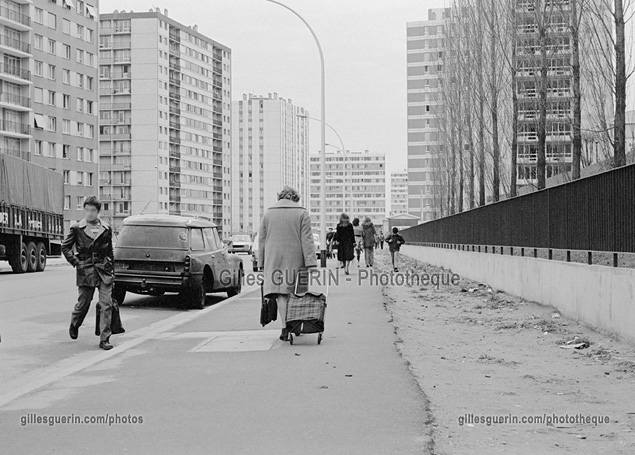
{"x":602,"y":297}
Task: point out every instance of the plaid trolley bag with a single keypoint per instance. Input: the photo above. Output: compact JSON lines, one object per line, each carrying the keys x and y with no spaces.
{"x":305,"y":314}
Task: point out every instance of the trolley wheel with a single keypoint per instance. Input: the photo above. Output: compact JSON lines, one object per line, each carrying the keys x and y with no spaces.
{"x":319,"y":338}
{"x":290,"y":338}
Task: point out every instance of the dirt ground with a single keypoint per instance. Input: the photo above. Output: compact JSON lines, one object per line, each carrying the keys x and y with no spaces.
{"x":479,"y":352}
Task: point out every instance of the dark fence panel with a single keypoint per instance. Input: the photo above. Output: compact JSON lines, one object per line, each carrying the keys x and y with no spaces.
{"x":596,"y":213}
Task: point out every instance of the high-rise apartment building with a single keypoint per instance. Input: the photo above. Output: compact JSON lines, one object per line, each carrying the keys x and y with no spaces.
{"x":398,"y":193}
{"x":49,"y":93}
{"x":270,"y":150}
{"x":165,"y":119}
{"x":355,"y":184}
{"x":425,"y":53}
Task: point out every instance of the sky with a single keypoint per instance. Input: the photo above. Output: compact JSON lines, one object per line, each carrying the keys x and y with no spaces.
{"x":364,"y":45}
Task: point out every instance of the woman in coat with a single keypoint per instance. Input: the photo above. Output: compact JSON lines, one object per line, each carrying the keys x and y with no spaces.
{"x":368,"y":234}
{"x":357,"y":229}
{"x":345,"y":238}
{"x":285,"y":248}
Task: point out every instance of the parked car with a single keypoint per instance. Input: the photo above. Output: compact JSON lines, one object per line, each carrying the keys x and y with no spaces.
{"x":254,"y":255}
{"x":240,"y":243}
{"x":168,"y":253}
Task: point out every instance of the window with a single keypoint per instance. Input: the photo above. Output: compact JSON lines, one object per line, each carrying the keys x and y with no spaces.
{"x":66,"y":26}
{"x":39,"y":15}
{"x":89,"y":179}
{"x":52,"y":126}
{"x":80,"y":178}
{"x":66,"y":154}
{"x":51,"y":72}
{"x":90,"y":11}
{"x":38,"y":93}
{"x":90,"y":59}
{"x":89,"y":107}
{"x":90,"y":35}
{"x":67,"y":199}
{"x":39,"y":122}
{"x":196,"y":242}
{"x":88,"y":155}
{"x":80,"y":129}
{"x":68,"y":4}
{"x":52,"y":21}
{"x":66,"y":76}
{"x":80,"y":56}
{"x":52,"y":147}
{"x":38,"y":68}
{"x":80,"y":32}
{"x":80,"y":154}
{"x":80,"y":105}
{"x":66,"y":103}
{"x":80,"y":202}
{"x":38,"y":148}
{"x":80,"y":7}
{"x":91,"y":131}
{"x":66,"y":129}
{"x":89,"y":83}
{"x":51,"y":98}
{"x":80,"y":80}
{"x":39,"y":42}
{"x":52,"y":46}
{"x":67,"y":52}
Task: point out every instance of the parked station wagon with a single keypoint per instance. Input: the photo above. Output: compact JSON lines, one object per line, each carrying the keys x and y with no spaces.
{"x":156,"y":254}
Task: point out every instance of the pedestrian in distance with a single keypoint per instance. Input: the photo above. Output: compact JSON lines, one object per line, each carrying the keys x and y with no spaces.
{"x":368,"y":238}
{"x":358,"y":230}
{"x":394,"y":241}
{"x":345,"y":237}
{"x":381,"y":240}
{"x":88,"y":248}
{"x":376,"y":240}
{"x":286,"y":249}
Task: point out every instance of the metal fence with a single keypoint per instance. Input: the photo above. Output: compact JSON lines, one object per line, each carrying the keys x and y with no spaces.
{"x":596,"y":213}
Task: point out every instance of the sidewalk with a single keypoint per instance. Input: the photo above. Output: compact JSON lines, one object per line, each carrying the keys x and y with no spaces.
{"x":220,"y":383}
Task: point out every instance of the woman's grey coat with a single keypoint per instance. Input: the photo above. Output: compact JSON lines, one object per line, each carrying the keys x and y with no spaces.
{"x":286,"y":246}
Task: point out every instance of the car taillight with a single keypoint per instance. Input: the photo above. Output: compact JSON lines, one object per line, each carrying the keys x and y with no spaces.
{"x":187,"y":264}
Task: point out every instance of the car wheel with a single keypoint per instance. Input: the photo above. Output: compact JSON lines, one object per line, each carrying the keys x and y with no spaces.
{"x":19,"y":260}
{"x":41,"y":256}
{"x":195,"y":297}
{"x":119,"y":295}
{"x":239,"y":287}
{"x":31,"y":255}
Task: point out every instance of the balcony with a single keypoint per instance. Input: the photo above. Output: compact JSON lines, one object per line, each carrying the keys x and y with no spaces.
{"x":15,"y":16}
{"x":16,"y":44}
{"x":15,"y":71}
{"x":17,"y":153}
{"x":17,"y":100}
{"x":7,"y":126}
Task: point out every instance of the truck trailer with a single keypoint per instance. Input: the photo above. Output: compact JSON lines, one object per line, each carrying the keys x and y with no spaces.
{"x":31,"y":214}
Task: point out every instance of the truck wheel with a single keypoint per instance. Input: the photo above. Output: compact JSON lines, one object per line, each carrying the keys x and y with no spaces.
{"x":31,"y":256}
{"x":41,"y":256}
{"x":118,"y":294}
{"x":18,"y":260}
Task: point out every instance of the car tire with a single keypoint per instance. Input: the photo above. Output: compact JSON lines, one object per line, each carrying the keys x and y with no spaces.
{"x":231,"y":292}
{"x":195,"y":296}
{"x":119,"y":295}
{"x":40,"y":250}
{"x":31,"y":255}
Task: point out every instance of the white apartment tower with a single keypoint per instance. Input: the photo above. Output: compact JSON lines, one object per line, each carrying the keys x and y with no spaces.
{"x":425,"y":53}
{"x":355,"y":184}
{"x":165,"y":119}
{"x":270,"y":150}
{"x":398,"y":193}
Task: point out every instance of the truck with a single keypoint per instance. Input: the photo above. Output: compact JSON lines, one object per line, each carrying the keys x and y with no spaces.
{"x":31,"y":214}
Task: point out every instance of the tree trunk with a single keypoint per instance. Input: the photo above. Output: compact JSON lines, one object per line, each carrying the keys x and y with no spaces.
{"x":619,"y":128}
{"x":494,"y":108}
{"x":577,"y":96}
{"x":514,"y":157}
{"x":542,"y":98}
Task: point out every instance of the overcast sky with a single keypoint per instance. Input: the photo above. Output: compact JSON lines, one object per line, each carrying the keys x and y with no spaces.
{"x":364,"y":44}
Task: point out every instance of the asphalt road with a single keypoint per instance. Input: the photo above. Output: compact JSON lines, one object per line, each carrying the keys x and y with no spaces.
{"x":203,"y":381}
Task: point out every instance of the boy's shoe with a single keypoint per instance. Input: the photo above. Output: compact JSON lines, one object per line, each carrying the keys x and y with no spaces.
{"x":396,"y":269}
{"x":73,"y":332}
{"x":284,"y":336}
{"x":105,"y":345}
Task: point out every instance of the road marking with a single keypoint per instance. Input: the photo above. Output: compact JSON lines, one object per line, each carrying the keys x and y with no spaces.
{"x":238,"y":341}
{"x":60,"y":370}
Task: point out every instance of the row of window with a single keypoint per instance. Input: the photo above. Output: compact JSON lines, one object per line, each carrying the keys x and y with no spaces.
{"x":49,"y":123}
{"x":81,"y":56}
{"x":52,"y":99}
{"x":50,"y":20}
{"x":69,"y":77}
{"x":63,"y":151}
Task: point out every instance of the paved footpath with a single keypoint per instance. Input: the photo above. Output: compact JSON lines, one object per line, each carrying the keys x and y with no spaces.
{"x":215,"y":382}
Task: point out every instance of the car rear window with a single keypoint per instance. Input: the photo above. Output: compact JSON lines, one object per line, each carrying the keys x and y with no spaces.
{"x":169,"y":237}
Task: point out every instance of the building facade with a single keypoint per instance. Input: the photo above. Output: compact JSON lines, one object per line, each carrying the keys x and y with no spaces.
{"x":355,"y":184}
{"x":48,"y":95}
{"x":165,"y":119}
{"x":270,"y":150}
{"x":398,"y":193}
{"x":425,"y":54}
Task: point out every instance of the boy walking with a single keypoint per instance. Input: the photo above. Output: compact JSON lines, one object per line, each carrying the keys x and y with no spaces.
{"x":394,"y":241}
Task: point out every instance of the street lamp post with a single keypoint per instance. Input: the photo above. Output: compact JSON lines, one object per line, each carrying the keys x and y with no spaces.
{"x":323,"y":141}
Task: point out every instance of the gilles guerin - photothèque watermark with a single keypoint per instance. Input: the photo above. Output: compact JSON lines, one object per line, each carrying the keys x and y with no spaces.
{"x":364,"y":277}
